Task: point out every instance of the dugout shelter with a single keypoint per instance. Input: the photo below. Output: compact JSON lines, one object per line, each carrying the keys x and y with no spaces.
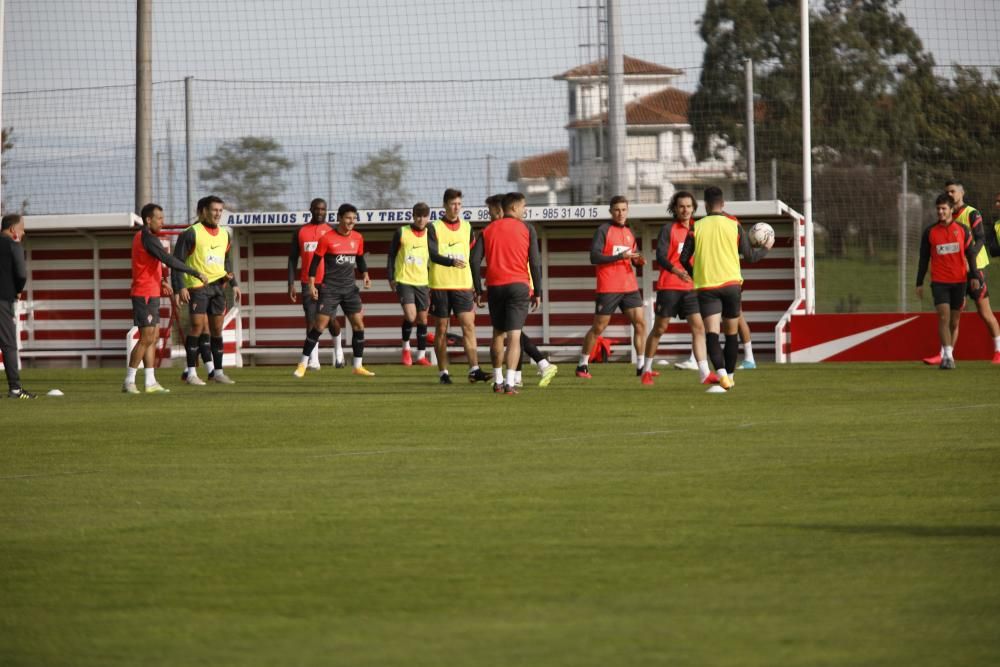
{"x":77,"y":309}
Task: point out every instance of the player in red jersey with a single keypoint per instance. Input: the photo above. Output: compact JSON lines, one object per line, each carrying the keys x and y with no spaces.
{"x":675,"y":296}
{"x":341,"y":251}
{"x":949,"y":249}
{"x":548,"y":370}
{"x":148,"y":284}
{"x":513,"y":263}
{"x":303,"y":245}
{"x":613,"y":251}
{"x":969,"y":217}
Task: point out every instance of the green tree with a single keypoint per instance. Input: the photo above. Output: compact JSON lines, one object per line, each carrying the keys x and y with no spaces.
{"x":870,"y":79}
{"x":247,"y":173}
{"x":6,"y":144}
{"x":378,"y":183}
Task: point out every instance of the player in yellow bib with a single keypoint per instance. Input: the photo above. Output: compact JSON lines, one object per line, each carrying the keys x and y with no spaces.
{"x":204,"y":246}
{"x":450,"y":243}
{"x":409,"y":257}
{"x":715,"y":244}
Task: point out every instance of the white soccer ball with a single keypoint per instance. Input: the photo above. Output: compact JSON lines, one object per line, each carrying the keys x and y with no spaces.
{"x":760,"y":233}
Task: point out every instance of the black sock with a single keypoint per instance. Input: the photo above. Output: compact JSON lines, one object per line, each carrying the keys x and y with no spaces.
{"x":421,"y":337}
{"x":312,"y":339}
{"x":407,"y":330}
{"x":217,"y":351}
{"x":715,"y":350}
{"x":358,"y":344}
{"x":205,"y":347}
{"x":732,"y":351}
{"x":529,"y":348}
{"x":191,"y":350}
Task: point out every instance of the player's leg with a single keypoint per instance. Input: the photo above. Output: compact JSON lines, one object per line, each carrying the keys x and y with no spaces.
{"x":606,"y":304}
{"x":338,"y":342}
{"x":353,"y":311}
{"x":142,"y":317}
{"x":944,"y":333}
{"x":422,"y":303}
{"x":8,"y":346}
{"x":513,"y":353}
{"x":216,"y":316}
{"x":406,"y":330}
{"x":638,"y":320}
{"x":710,"y":307}
{"x":320,"y":322}
{"x":656,"y":332}
{"x":440,"y":310}
{"x":748,"y":361}
{"x":310,"y":308}
{"x":985,"y":311}
{"x":515,"y":307}
{"x":465,"y":312}
{"x":497,"y":345}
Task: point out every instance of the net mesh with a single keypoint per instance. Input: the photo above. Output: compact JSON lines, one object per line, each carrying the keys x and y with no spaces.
{"x":468,"y":94}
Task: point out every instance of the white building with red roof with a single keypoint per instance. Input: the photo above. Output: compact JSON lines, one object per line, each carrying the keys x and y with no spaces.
{"x":659,"y":153}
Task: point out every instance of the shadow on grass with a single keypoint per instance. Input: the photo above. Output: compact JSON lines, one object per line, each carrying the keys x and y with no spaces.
{"x":902,"y":530}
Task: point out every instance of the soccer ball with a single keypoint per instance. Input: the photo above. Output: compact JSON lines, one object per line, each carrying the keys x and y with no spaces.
{"x":760,"y":233}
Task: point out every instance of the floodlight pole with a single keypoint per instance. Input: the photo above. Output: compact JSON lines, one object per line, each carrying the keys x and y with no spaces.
{"x":1,"y":86}
{"x":143,"y":102}
{"x":616,"y":100}
{"x":807,"y":197}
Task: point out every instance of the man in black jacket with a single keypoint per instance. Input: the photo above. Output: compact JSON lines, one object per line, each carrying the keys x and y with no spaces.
{"x":13,"y":276}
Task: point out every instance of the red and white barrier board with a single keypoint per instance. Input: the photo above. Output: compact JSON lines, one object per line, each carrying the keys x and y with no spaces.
{"x":881,"y":337}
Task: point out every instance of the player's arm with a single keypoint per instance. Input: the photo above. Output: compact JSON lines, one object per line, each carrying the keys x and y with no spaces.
{"x":978,"y":233}
{"x":476,"y":264}
{"x":432,"y":249}
{"x":20,"y":268}
{"x":152,"y":245}
{"x":687,"y":253}
{"x":227,"y":265}
{"x":362,"y":265}
{"x":597,"y":255}
{"x":970,"y":257}
{"x":748,"y":252}
{"x":390,"y":265}
{"x":924,"y":261}
{"x":992,"y":235}
{"x":182,"y":248}
{"x":293,"y":263}
{"x":534,"y":264}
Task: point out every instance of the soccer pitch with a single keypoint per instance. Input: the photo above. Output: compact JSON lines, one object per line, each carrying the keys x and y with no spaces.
{"x":816,"y":515}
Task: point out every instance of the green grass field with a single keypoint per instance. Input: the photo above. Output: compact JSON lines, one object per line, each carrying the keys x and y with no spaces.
{"x":816,"y":515}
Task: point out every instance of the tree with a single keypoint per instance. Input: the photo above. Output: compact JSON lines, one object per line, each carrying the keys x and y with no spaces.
{"x":7,"y":143}
{"x":246,"y":173}
{"x":870,"y":81}
{"x":378,"y":182}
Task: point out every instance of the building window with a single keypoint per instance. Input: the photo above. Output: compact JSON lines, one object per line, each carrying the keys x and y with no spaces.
{"x":641,"y":147}
{"x":574,"y":149}
{"x":572,"y":101}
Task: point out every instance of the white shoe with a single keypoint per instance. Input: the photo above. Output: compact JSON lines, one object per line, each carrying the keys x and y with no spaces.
{"x":222,"y":378}
{"x":129,"y":388}
{"x":686,"y":365}
{"x":314,"y":366}
{"x":715,"y":389}
{"x":192,"y":378}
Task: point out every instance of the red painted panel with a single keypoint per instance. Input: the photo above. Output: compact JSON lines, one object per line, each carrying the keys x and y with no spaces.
{"x":910,"y":337}
{"x":68,"y":335}
{"x":62,"y":274}
{"x":115,"y":253}
{"x":78,"y":253}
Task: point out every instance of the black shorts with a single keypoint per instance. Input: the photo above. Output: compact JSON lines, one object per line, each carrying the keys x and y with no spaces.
{"x":349,"y":301}
{"x":676,"y":303}
{"x":982,"y":292}
{"x":208,"y":300}
{"x":509,"y":306}
{"x":725,"y":300}
{"x":146,"y":311}
{"x":608,"y":302}
{"x":952,"y":294}
{"x":444,"y":302}
{"x":418,"y":295}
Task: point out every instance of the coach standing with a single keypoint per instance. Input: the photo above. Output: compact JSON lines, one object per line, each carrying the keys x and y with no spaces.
{"x":13,"y":276}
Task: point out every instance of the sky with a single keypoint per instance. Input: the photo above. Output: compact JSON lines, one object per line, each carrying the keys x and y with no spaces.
{"x":450,"y":81}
